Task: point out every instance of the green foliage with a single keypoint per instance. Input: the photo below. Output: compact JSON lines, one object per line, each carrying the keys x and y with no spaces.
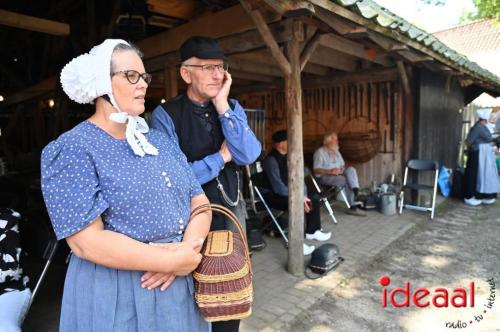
{"x":484,"y":9}
{"x":488,"y":9}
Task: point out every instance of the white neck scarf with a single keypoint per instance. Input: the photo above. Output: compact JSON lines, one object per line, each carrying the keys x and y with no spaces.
{"x":135,"y":130}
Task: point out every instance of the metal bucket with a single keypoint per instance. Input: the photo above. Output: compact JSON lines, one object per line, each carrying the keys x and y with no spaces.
{"x":388,"y":204}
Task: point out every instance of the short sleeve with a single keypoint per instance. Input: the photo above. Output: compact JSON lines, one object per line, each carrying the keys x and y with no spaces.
{"x":70,"y":187}
{"x":319,"y":160}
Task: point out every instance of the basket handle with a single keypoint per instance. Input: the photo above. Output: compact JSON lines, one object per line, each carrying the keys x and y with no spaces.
{"x":231,"y":216}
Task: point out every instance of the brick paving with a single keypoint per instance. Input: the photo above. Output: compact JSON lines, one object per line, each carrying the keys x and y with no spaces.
{"x":281,"y":297}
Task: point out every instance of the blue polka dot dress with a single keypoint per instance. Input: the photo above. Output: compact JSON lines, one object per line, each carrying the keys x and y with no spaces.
{"x":87,"y":173}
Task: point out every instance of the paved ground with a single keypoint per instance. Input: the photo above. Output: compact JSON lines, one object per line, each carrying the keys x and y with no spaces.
{"x":280,"y":297}
{"x":461,"y":245}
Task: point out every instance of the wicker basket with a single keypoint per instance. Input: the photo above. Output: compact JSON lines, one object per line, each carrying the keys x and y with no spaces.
{"x":223,"y":280}
{"x":359,"y":145}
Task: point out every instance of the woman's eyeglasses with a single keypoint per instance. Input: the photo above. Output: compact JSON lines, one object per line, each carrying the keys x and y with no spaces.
{"x":223,"y":67}
{"x":133,"y":76}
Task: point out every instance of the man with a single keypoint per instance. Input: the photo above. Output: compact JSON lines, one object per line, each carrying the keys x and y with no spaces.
{"x":212,"y":131}
{"x":329,"y":168}
{"x":276,"y":170}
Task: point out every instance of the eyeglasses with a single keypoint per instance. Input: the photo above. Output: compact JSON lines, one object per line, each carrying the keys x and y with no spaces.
{"x":211,"y":68}
{"x":133,"y":76}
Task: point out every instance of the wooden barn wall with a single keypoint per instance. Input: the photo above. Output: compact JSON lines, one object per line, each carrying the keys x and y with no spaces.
{"x":438,"y":118}
{"x":348,"y":109}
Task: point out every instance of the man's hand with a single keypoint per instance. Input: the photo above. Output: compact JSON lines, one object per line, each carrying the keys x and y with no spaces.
{"x":337,"y":171}
{"x":225,"y":153}
{"x":307,"y":204}
{"x":221,"y":100}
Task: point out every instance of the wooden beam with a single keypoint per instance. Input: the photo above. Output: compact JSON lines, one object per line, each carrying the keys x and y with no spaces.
{"x":371,"y":76}
{"x":251,"y":76}
{"x":170,"y":79}
{"x":414,"y":56}
{"x":267,"y":37}
{"x":290,"y":8}
{"x":295,"y":160}
{"x":36,"y":90}
{"x":222,"y":23}
{"x":262,"y":56}
{"x":183,"y":9}
{"x":309,"y":49}
{"x":353,"y":48}
{"x":385,"y":42}
{"x":404,"y":77}
{"x":333,"y":59}
{"x":335,"y":22}
{"x":253,"y":67}
{"x":237,"y":43}
{"x":244,"y":89}
{"x":164,"y":22}
{"x":358,"y":32}
{"x":26,"y":22}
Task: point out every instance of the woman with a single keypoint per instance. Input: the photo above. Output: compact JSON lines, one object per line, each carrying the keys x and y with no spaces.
{"x":121,"y":197}
{"x":479,"y":140}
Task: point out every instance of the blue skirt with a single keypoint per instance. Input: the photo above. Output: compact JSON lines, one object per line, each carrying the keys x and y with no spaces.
{"x":97,"y":298}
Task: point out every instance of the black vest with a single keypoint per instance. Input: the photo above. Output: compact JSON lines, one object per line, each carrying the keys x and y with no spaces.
{"x":200,"y":134}
{"x":282,"y":164}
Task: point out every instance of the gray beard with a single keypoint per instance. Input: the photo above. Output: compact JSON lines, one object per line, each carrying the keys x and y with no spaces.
{"x":333,"y":148}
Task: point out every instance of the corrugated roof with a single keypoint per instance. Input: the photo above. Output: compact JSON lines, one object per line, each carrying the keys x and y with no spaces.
{"x":484,"y":50}
{"x":464,"y":38}
{"x":385,"y":18}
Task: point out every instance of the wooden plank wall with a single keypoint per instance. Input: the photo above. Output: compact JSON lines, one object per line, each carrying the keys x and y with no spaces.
{"x":348,"y":107}
{"x":439,"y":120}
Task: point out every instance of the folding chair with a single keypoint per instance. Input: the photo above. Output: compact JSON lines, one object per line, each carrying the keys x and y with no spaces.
{"x":256,"y":181}
{"x":419,"y":165}
{"x":324,"y":196}
{"x":324,"y":190}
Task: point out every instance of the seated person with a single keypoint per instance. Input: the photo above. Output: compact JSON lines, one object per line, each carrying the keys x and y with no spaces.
{"x":329,"y":168}
{"x":276,"y":170}
{"x":14,"y":293}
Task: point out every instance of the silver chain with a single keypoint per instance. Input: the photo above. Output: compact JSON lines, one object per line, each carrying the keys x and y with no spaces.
{"x":225,"y":196}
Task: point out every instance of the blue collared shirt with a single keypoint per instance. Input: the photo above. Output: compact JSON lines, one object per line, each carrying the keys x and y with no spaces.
{"x":241,"y":141}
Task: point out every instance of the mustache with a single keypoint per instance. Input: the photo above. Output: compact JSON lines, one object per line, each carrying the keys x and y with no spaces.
{"x":334,"y":147}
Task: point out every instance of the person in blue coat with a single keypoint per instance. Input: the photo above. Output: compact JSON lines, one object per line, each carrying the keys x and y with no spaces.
{"x":211,"y":130}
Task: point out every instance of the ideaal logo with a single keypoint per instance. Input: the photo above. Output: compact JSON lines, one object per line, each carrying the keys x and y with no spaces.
{"x":439,"y":297}
{"x":459,"y":297}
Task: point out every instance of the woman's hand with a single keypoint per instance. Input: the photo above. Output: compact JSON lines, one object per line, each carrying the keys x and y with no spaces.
{"x":187,"y":256}
{"x":151,"y":280}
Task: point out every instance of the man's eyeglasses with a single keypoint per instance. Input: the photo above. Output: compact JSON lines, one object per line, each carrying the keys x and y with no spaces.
{"x":223,"y":67}
{"x":133,"y":76}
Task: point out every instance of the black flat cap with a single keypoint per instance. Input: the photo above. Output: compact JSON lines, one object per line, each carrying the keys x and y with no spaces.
{"x":279,"y":136}
{"x":202,"y":48}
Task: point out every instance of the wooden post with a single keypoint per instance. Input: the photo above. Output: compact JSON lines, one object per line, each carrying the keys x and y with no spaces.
{"x":404,"y":77}
{"x":291,"y":68}
{"x":170,"y":82}
{"x":295,"y":161}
